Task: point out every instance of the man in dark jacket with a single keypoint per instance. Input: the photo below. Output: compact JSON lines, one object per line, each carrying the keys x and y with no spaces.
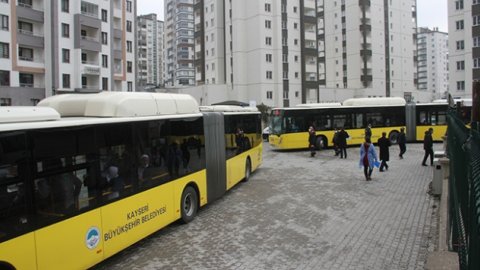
{"x":428,"y":146}
{"x":312,"y":140}
{"x":342,"y":142}
{"x":402,"y":142}
{"x":384,"y":143}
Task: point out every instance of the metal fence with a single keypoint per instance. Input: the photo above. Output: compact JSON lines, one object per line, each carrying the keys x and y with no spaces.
{"x":464,"y":188}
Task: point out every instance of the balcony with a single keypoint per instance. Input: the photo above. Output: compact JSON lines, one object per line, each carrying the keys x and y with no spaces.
{"x":365,"y":53}
{"x":364,"y":3}
{"x":365,"y":28}
{"x":87,"y":43}
{"x":29,"y":12}
{"x":30,"y":39}
{"x":91,"y":69}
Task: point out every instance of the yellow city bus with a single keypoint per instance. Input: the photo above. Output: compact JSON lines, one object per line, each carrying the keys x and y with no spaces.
{"x":289,"y":126}
{"x":83,"y":176}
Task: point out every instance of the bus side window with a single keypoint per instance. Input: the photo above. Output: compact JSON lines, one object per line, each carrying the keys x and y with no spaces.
{"x":12,"y":201}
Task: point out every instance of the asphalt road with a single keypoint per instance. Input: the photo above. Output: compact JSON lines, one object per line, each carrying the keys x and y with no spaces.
{"x":298,"y":212}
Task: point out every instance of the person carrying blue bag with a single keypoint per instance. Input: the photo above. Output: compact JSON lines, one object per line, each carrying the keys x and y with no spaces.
{"x":368,"y":158}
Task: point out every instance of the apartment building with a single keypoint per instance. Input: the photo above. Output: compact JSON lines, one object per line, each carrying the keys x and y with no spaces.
{"x":179,"y":43}
{"x":464,"y":46}
{"x":433,"y":62}
{"x":283,"y":53}
{"x":150,"y":52}
{"x":52,"y":47}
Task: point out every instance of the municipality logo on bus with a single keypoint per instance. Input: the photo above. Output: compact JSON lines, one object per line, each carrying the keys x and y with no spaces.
{"x":92,"y":238}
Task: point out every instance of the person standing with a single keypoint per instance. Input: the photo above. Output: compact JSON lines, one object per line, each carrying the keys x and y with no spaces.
{"x":368,"y":131}
{"x":342,"y":142}
{"x":402,"y":142}
{"x":312,"y":139}
{"x":368,"y":157}
{"x":384,"y":143}
{"x":428,"y":146}
{"x":335,"y":142}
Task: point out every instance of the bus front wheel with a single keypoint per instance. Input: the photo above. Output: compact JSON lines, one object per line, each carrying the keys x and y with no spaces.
{"x":248,"y":170}
{"x":393,"y":136}
{"x":189,"y":204}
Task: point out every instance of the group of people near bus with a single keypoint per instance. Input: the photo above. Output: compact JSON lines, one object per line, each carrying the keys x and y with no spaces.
{"x":368,"y":155}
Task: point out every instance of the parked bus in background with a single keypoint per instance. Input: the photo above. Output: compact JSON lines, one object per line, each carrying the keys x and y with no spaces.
{"x":290,"y":125}
{"x":83,"y":176}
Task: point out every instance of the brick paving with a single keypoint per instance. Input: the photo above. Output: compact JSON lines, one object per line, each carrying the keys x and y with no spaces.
{"x":298,"y":212}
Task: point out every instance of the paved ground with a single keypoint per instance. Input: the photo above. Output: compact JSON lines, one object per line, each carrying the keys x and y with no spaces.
{"x":298,"y":212}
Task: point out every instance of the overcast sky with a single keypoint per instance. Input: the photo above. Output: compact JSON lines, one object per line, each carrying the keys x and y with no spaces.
{"x":431,"y":13}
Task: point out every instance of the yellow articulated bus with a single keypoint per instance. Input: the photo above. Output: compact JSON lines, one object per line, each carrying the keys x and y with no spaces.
{"x":289,"y":126}
{"x":83,"y":176}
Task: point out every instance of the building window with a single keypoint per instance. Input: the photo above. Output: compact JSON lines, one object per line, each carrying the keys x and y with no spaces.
{"x":269,"y":95}
{"x":5,"y":102}
{"x":4,"y":19}
{"x":268,"y":40}
{"x":269,"y":75}
{"x":459,"y":4}
{"x":66,"y":81}
{"x":65,"y":55}
{"x":129,"y":26}
{"x":104,"y":84}
{"x":459,"y":25}
{"x":267,"y":7}
{"x":129,"y":6}
{"x":4,"y":50}
{"x":129,"y":46}
{"x":295,"y":41}
{"x":104,"y":38}
{"x":4,"y":1}
{"x":460,"y":45}
{"x":129,"y":66}
{"x":460,"y":65}
{"x":476,"y":62}
{"x":295,"y":25}
{"x":268,"y":24}
{"x":25,"y":54}
{"x":65,"y":30}
{"x":26,"y":80}
{"x":476,"y":41}
{"x":476,"y":20}
{"x":461,"y":85}
{"x":104,"y":61}
{"x":65,"y":6}
{"x":104,"y":15}
{"x":296,"y":58}
{"x":4,"y":78}
{"x":296,"y":75}
{"x":129,"y":86}
{"x":268,"y":58}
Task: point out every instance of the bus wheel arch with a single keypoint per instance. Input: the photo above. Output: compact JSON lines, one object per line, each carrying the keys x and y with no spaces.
{"x":189,"y":203}
{"x":6,"y":266}
{"x":322,"y":142}
{"x":248,"y":169}
{"x":393,"y":136}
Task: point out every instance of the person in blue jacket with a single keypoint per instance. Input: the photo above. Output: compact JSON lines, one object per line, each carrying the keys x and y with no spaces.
{"x":368,"y":158}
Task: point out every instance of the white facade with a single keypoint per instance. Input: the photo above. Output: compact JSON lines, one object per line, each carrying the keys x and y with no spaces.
{"x":179,"y":43}
{"x":66,"y":46}
{"x":460,"y":48}
{"x":282,"y":53}
{"x":433,"y":62}
{"x":150,"y":51}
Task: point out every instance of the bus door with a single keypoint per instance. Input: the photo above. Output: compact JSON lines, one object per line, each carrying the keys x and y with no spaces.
{"x":215,"y":148}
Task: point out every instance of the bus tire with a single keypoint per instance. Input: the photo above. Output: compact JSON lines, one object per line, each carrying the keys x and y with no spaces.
{"x":6,"y":266}
{"x":189,"y":204}
{"x":248,"y":170}
{"x":322,"y":142}
{"x":393,"y":136}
